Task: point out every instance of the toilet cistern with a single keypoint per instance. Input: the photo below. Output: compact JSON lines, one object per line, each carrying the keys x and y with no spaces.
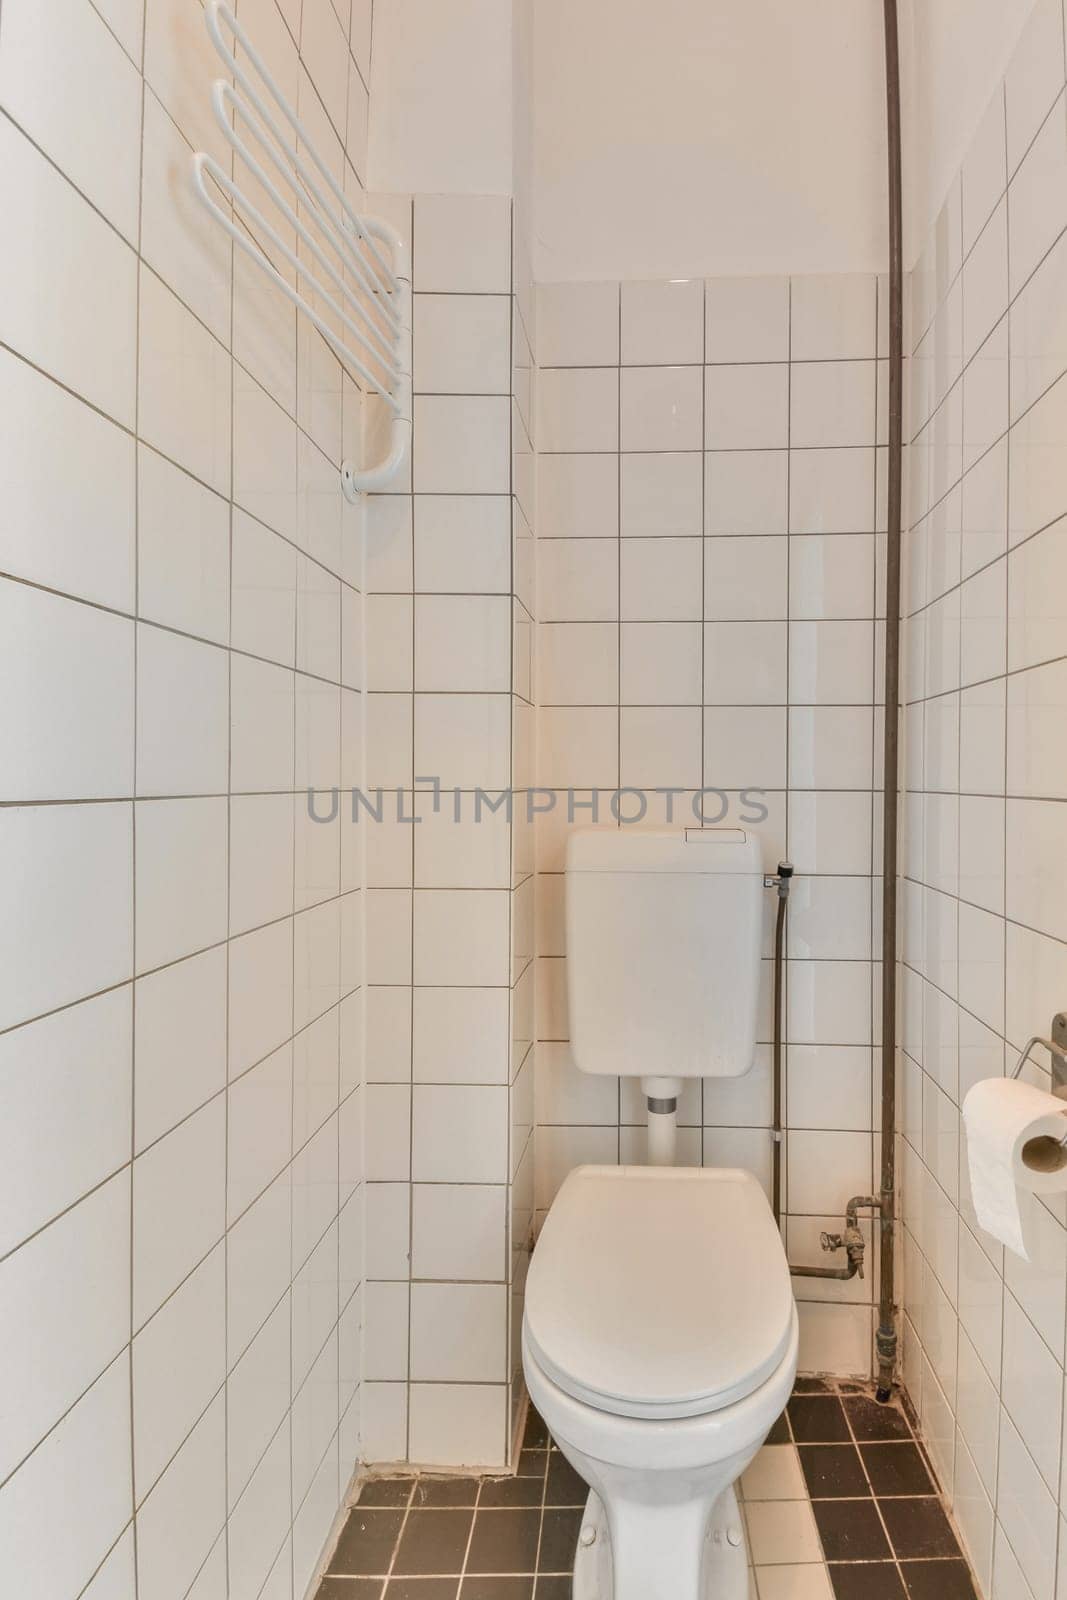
{"x":663,"y":941}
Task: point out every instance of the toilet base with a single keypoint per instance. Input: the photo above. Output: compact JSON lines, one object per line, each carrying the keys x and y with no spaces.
{"x":727,"y":1575}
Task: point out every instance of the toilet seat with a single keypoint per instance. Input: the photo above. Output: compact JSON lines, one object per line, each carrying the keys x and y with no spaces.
{"x":659,"y":1292}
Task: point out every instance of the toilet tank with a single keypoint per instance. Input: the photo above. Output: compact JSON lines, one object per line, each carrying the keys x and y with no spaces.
{"x":663,"y":950}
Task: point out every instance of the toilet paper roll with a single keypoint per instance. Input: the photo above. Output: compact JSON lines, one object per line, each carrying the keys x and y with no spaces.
{"x":1014,"y":1135}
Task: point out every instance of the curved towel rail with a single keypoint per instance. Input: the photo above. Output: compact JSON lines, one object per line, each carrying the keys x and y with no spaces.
{"x":362,"y":295}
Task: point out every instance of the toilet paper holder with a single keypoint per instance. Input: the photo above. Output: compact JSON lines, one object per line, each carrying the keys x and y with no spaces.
{"x":1057,"y":1049}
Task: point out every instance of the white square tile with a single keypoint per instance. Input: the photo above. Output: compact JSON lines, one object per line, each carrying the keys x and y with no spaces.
{"x":747,"y":319}
{"x":461,"y":344}
{"x":831,"y":491}
{"x":660,"y":580}
{"x":87,"y":1457}
{"x":578,"y":746}
{"x":259,"y":1130}
{"x":459,"y":1035}
{"x":832,"y":317}
{"x":745,"y":663}
{"x":67,"y":718}
{"x":72,"y":1271}
{"x":463,"y":244}
{"x":577,"y":580}
{"x":182,"y":714}
{"x":180,"y":1042}
{"x":662,"y":323}
{"x":661,"y":494}
{"x":462,"y":544}
{"x":830,"y":747}
{"x":745,"y":580}
{"x":578,"y":324}
{"x":459,"y":1332}
{"x":459,"y":1134}
{"x":831,"y":403}
{"x":831,"y":575}
{"x":463,"y":444}
{"x":261,"y":860}
{"x":72,"y":872}
{"x":184,"y":386}
{"x":179,"y":1362}
{"x":745,"y":747}
{"x":578,"y":496}
{"x":183,"y":551}
{"x":458,"y":1231}
{"x":181,"y":878}
{"x":577,"y":409}
{"x":464,"y":740}
{"x":264,"y":591}
{"x":82,"y":544}
{"x":185,"y":1512}
{"x":178,"y":238}
{"x":831,"y":663}
{"x":462,"y":643}
{"x":578,"y":663}
{"x":661,"y":408}
{"x":660,"y":746}
{"x":68,"y":281}
{"x":660,"y":664}
{"x":774,"y":1475}
{"x":746,"y":407}
{"x":456,"y":1421}
{"x":746,"y":492}
{"x":179,"y":1206}
{"x":66,"y":1110}
{"x":460,"y":937}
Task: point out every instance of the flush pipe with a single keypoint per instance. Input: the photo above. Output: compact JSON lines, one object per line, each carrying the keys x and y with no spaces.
{"x":852,"y":1240}
{"x":886,"y":1336}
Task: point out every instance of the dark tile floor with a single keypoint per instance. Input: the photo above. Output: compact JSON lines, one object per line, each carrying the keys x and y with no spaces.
{"x":840,"y":1505}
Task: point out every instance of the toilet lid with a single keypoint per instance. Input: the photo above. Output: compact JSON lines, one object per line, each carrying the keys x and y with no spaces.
{"x":659,"y":1291}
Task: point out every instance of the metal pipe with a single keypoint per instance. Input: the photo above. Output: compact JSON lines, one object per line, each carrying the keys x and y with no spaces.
{"x":886,"y":1336}
{"x":781,"y":881}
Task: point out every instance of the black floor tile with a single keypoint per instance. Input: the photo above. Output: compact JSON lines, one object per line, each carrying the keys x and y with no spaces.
{"x":938,"y":1580}
{"x":559,"y":1539}
{"x":896,"y":1469}
{"x":497,"y":1589}
{"x":386,"y":1491}
{"x":512,"y":1492}
{"x":833,"y":1471}
{"x":553,"y":1589}
{"x":818,"y":1419}
{"x":535,"y":1434}
{"x":870,"y":1421}
{"x":780,"y":1433}
{"x":350,"y":1589}
{"x":812,"y":1386}
{"x":504,"y":1541}
{"x":564,"y":1487}
{"x":851,"y":1530}
{"x":367,"y":1542}
{"x":433,"y":1542}
{"x":532,"y":1463}
{"x":918,"y":1527}
{"x":446,"y":1492}
{"x":867,"y":1580}
{"x":422,"y":1589}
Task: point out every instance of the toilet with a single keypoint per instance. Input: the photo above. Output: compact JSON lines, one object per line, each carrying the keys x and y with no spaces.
{"x":659,"y":1336}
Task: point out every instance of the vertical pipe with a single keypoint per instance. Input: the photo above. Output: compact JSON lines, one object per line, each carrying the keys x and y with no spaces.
{"x":886,"y":1337}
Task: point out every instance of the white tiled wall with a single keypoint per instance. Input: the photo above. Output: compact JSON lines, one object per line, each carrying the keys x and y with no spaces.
{"x":985,"y":857}
{"x":449,"y":901}
{"x":180,"y":948}
{"x":709,"y":484}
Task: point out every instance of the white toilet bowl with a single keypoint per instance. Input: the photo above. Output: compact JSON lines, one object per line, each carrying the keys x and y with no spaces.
{"x":660,"y":1346}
